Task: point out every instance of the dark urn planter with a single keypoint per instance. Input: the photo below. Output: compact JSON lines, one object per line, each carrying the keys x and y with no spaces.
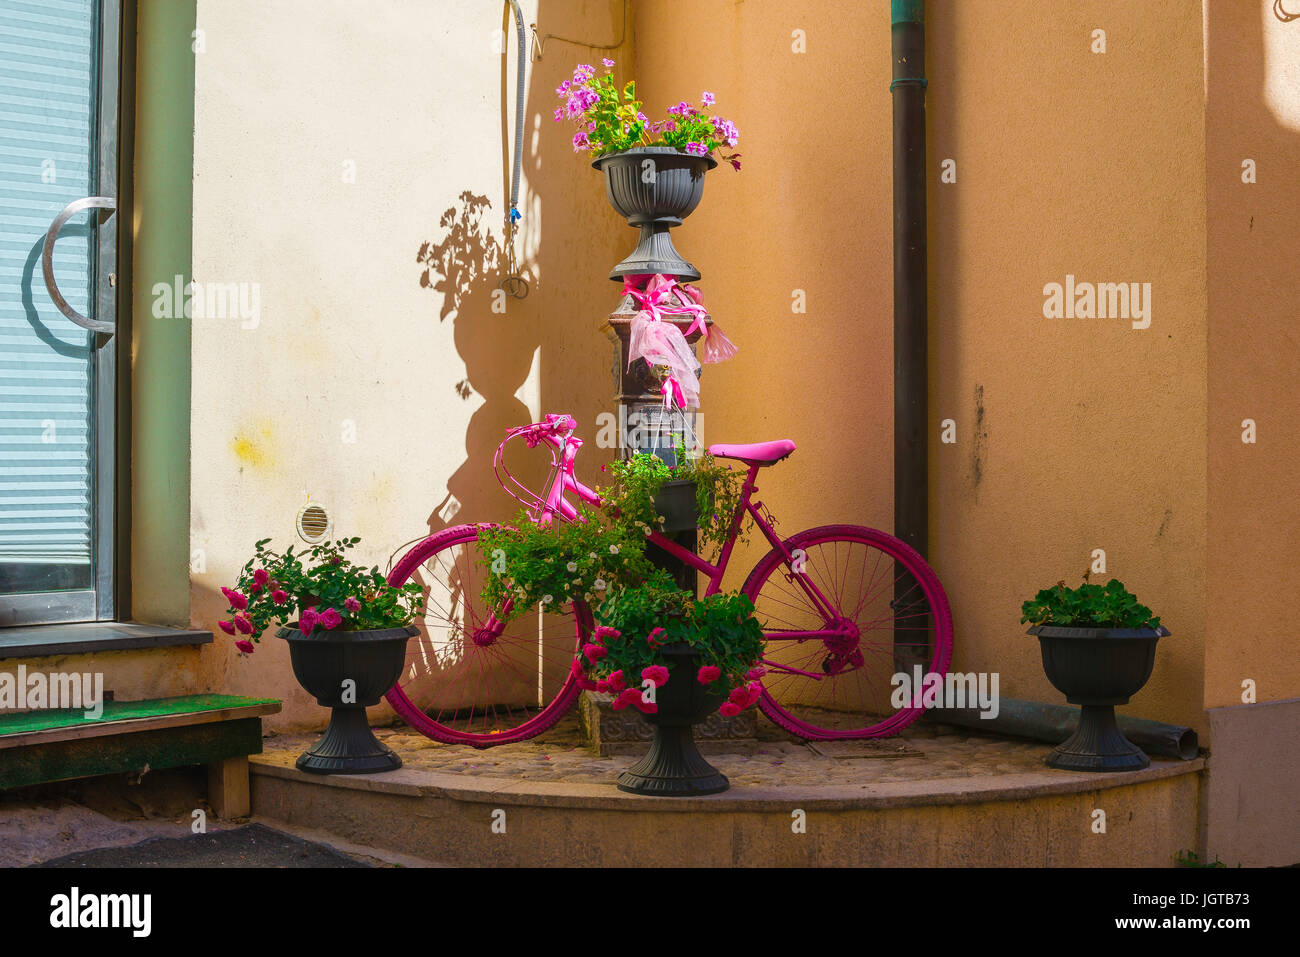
{"x":1098,"y":668}
{"x":322,"y":662}
{"x":674,"y":767}
{"x":676,"y":503}
{"x":654,"y":188}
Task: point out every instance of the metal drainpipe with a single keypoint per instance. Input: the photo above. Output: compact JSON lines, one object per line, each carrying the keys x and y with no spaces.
{"x":911,"y":483}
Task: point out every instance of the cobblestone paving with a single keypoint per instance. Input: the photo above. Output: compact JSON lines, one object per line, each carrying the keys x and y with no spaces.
{"x":919,"y":753}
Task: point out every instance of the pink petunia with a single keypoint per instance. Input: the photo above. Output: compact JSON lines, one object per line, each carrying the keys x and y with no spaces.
{"x":709,"y":674}
{"x":279,"y":596}
{"x":245,"y":646}
{"x":237,"y":601}
{"x":351,"y":604}
{"x":226,"y":626}
{"x":330,"y":618}
{"x":728,"y":709}
{"x":656,"y":673}
{"x":594,"y":653}
{"x":307,"y":620}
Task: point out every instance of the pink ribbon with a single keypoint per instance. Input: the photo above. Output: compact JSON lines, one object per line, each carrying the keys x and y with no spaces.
{"x":654,"y":294}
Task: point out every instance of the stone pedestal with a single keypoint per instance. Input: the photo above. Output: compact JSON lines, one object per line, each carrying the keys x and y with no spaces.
{"x":608,"y":732}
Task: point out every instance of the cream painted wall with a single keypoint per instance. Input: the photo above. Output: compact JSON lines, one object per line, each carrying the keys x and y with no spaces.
{"x":348,"y":339}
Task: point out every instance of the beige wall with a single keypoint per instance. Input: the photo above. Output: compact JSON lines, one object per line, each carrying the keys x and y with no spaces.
{"x":286,"y":94}
{"x":1071,"y":434}
{"x":1253,"y":112}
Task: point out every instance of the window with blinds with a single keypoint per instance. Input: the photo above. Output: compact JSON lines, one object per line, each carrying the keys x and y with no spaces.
{"x":49,"y":156}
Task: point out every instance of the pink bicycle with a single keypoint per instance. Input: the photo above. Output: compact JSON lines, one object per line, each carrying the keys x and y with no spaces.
{"x":843,"y":608}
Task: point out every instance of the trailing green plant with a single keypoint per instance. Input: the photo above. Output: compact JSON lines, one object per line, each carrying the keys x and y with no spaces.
{"x":322,"y":586}
{"x":628,"y":500}
{"x":625,"y":656}
{"x":1188,"y":858}
{"x":552,"y":565}
{"x":1088,"y":606}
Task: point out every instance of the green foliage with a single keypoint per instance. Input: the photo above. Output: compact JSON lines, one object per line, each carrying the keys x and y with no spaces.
{"x":628,"y":501}
{"x":557,"y":563}
{"x":1187,"y":858}
{"x":721,"y":628}
{"x":280,"y":585}
{"x":1088,"y":606}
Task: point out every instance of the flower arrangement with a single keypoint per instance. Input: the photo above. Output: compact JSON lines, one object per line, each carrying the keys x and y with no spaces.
{"x":322,"y":585}
{"x":629,"y":500}
{"x":1088,"y":606}
{"x":610,"y":120}
{"x":624,"y":657}
{"x":552,"y":565}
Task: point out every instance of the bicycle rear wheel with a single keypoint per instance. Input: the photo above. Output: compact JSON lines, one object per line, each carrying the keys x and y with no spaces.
{"x":465,"y":682}
{"x":829,"y":669}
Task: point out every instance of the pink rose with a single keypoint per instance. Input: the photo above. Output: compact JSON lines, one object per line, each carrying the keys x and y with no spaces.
{"x":656,"y":673}
{"x":739,"y":697}
{"x":709,"y":674}
{"x":244,"y":624}
{"x":307,"y":620}
{"x":237,"y":601}
{"x":261,"y":577}
{"x":629,"y":696}
{"x":755,"y":673}
{"x":729,"y":709}
{"x":245,"y":646}
{"x":585,"y":683}
{"x":616,"y":680}
{"x":594,"y":653}
{"x":254,"y":588}
{"x":645,"y":707}
{"x":330,"y":618}
{"x":602,"y":632}
{"x":279,"y":597}
{"x":227,"y":627}
{"x":351,"y":604}
{"x":655,"y":638}
{"x":755,"y":691}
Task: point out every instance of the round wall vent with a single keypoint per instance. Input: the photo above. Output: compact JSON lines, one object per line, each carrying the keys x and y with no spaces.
{"x":314,"y":524}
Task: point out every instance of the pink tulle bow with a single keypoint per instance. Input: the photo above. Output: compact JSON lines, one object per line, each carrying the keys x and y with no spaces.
{"x":654,"y":294}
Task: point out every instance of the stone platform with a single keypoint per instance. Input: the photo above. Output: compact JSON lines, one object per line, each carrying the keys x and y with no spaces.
{"x":932,"y":796}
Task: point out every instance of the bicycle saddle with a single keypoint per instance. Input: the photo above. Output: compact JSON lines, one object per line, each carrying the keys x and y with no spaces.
{"x":760,"y":453}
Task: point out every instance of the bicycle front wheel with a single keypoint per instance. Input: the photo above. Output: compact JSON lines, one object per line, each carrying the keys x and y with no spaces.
{"x":853,"y":608}
{"x":468,"y":679}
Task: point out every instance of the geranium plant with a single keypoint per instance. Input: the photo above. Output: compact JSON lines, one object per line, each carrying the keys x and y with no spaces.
{"x":321,"y":586}
{"x":1088,"y":606}
{"x":625,"y":656}
{"x":609,"y":119}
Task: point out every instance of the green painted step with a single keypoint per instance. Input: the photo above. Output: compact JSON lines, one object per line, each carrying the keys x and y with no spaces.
{"x":124,"y":711}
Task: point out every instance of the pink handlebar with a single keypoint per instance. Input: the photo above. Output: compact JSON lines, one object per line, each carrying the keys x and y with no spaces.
{"x":557,"y":432}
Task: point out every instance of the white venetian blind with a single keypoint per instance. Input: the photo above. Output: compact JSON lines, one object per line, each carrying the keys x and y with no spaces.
{"x":47,"y":118}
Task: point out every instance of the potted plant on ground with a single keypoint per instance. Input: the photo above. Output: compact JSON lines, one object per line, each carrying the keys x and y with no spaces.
{"x":347,"y":645}
{"x":676,"y":659}
{"x":1098,"y":646}
{"x":654,"y":170}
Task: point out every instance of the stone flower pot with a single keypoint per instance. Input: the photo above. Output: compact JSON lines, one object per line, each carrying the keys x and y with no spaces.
{"x":322,"y":662}
{"x":654,"y":188}
{"x":674,"y":767}
{"x":1098,"y":668}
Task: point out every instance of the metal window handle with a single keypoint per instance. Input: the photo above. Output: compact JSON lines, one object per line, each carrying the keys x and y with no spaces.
{"x":47,"y":260}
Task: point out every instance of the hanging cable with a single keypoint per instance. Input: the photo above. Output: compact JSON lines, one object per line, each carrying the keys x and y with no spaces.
{"x":513,"y":283}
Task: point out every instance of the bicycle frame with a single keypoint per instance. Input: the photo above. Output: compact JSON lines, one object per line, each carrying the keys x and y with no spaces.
{"x":558,"y":434}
